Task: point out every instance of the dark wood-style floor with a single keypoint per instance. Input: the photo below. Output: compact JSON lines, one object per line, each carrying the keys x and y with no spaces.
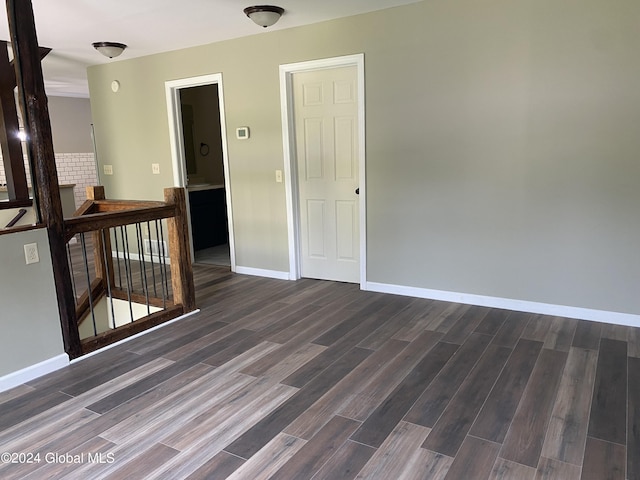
{"x":313,"y":379}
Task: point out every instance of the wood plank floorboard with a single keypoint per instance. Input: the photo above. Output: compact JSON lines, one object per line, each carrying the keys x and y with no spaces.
{"x":603,"y":461}
{"x":428,"y":408}
{"x":362,"y":402}
{"x":450,"y":430}
{"x":587,"y":335}
{"x":383,"y":419}
{"x":495,"y":417}
{"x":608,"y":419}
{"x":512,"y":329}
{"x":633,"y":419}
{"x":492,"y":322}
{"x":476,"y":458}
{"x":315,"y":453}
{"x":526,"y":435}
{"x":319,"y":380}
{"x":567,"y":431}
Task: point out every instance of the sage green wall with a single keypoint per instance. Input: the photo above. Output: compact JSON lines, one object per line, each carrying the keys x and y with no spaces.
{"x":502,"y":143}
{"x":70,"y":124}
{"x":30,"y":321}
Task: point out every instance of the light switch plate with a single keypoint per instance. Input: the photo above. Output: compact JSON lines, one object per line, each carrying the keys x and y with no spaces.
{"x":31,"y":253}
{"x":108,"y":169}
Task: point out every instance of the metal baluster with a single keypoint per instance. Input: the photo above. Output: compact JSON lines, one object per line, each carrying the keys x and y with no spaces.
{"x":127,"y":266}
{"x":165,"y":256}
{"x":153,"y":268}
{"x":106,"y":265}
{"x":86,"y":265}
{"x":115,"y":236}
{"x":163,"y":265}
{"x":143,"y":272}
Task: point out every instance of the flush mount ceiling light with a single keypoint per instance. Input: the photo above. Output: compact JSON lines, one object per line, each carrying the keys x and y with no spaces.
{"x":264,"y":15}
{"x":109,"y":49}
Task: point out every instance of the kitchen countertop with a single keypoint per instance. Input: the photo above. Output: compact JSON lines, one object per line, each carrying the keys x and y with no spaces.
{"x":65,"y":185}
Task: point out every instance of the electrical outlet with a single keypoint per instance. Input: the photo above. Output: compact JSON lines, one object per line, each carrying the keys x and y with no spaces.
{"x":31,"y":253}
{"x":155,"y":168}
{"x":108,"y":169}
{"x":279,"y":176}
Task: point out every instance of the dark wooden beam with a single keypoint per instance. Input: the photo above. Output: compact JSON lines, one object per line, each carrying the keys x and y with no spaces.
{"x":9,"y":127}
{"x":35,"y":114}
{"x":11,"y":148}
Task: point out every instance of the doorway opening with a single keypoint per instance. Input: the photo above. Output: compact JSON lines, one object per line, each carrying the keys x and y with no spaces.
{"x":200,"y":164}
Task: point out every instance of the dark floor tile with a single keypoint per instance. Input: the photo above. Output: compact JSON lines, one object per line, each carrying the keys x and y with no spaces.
{"x":451,"y":428}
{"x":182,"y":340}
{"x":491,"y":324}
{"x":466,"y":324}
{"x":436,"y":397}
{"x":560,"y":333}
{"x":384,"y":418}
{"x":220,"y":466}
{"x":633,"y":420}
{"x":347,"y":461}
{"x":587,"y":335}
{"x":603,"y":461}
{"x":512,"y":328}
{"x":525,"y":438}
{"x":310,"y":458}
{"x":474,"y":460}
{"x":608,"y":420}
{"x":495,"y":417}
{"x":364,"y":325}
{"x":262,"y":432}
{"x":133,"y":390}
{"x":22,"y":408}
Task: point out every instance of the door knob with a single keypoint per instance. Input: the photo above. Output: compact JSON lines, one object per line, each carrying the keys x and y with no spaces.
{"x":358,"y":191}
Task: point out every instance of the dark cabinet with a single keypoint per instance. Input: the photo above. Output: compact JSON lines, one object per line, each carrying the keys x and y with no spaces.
{"x":208,"y":218}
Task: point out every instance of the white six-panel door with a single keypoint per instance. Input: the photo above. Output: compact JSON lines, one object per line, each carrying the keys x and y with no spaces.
{"x":325,"y":110}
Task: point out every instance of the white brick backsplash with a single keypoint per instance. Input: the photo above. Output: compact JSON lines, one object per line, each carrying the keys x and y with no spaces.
{"x":78,"y":168}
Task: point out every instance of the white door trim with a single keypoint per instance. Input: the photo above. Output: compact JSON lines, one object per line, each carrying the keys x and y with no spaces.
{"x":290,"y":165}
{"x":172,"y":91}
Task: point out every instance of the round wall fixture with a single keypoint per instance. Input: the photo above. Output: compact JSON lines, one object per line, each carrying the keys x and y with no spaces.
{"x":115,"y":86}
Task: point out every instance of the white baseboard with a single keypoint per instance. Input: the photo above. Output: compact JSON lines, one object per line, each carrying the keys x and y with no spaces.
{"x":259,"y":272}
{"x":138,"y":257}
{"x":616,"y":318}
{"x":128,"y":339}
{"x":34,"y":371}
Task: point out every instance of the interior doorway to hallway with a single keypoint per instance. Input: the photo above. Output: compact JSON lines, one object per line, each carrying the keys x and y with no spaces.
{"x":200,"y":165}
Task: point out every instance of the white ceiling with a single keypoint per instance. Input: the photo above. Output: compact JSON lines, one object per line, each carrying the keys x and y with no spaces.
{"x":69,"y":27}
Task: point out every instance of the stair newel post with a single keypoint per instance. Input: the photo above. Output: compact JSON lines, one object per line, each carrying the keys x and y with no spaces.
{"x":180,"y":251}
{"x":102,"y":246}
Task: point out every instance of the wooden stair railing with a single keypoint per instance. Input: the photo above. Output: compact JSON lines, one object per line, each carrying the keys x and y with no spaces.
{"x":21,"y":213}
{"x":99,"y":218}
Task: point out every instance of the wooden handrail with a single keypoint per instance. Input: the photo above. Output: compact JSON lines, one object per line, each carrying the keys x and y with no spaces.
{"x":115,"y":218}
{"x":21,"y":213}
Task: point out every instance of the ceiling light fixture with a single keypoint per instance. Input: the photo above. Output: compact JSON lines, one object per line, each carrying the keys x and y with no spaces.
{"x":109,"y":49}
{"x":264,"y":15}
